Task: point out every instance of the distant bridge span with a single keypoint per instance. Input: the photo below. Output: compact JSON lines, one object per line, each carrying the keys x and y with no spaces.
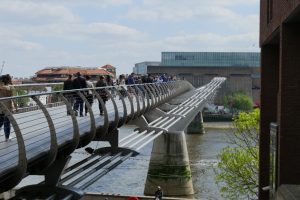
{"x":44,"y":136}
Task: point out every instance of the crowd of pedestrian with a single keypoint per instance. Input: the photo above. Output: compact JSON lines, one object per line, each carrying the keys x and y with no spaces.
{"x":81,"y":82}
{"x":78,"y":81}
{"x":150,"y":78}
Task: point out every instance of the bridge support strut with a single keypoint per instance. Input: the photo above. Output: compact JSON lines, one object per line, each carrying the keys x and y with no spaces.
{"x":50,"y":188}
{"x":196,"y":126}
{"x":169,"y":166}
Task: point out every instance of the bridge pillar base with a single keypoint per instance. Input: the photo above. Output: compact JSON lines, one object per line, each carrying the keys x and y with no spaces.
{"x":169,"y":166}
{"x":197,"y":125}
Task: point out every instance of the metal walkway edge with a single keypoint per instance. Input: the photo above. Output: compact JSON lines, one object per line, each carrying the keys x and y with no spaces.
{"x":44,"y":132}
{"x":45,"y":136}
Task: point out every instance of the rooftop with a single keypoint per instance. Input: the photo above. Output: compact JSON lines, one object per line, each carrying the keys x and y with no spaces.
{"x":211,"y":59}
{"x":108,"y":66}
{"x":73,"y":70}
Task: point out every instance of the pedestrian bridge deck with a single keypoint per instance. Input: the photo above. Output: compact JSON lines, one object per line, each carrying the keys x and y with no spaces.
{"x":44,"y":132}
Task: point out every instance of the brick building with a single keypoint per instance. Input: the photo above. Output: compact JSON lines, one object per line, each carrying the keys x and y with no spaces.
{"x":280,"y":97}
{"x":59,"y":74}
{"x":111,"y":69}
{"x":242,"y":70}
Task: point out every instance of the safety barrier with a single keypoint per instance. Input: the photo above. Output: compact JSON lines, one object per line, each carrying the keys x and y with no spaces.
{"x":45,"y":127}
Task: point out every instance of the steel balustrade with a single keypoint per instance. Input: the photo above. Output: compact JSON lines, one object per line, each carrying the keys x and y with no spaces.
{"x":92,"y":168}
{"x":42,"y":131}
{"x":37,"y":148}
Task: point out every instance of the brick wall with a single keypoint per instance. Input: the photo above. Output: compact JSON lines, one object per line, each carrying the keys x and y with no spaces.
{"x":282,"y":10}
{"x":280,"y":91}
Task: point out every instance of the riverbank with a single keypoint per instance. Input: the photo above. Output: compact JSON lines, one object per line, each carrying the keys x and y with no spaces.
{"x":218,"y":125}
{"x":101,"y":196}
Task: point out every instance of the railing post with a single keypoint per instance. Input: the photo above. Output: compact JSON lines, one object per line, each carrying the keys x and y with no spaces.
{"x":22,"y":160}
{"x":53,"y":138}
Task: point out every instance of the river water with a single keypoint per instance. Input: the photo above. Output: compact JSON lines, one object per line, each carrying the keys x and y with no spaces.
{"x":129,"y":177}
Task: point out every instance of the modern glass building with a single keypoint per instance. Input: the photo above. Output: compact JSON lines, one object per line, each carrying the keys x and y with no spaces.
{"x":142,"y":68}
{"x":242,"y":70}
{"x":210,"y":59}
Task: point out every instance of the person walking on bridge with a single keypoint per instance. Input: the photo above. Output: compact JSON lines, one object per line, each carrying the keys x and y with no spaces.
{"x":89,"y":95}
{"x":5,"y":91}
{"x":79,"y":83}
{"x":101,"y":83}
{"x":68,"y":85}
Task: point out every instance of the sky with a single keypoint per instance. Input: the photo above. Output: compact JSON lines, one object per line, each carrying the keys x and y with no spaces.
{"x":35,"y":34}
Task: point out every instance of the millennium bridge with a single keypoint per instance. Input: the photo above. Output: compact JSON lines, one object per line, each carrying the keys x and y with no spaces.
{"x":46,"y":130}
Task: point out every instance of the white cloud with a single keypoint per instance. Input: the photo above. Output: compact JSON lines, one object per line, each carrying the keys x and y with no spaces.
{"x":197,"y":4}
{"x":36,"y":34}
{"x":212,"y":40}
{"x":113,"y":29}
{"x":13,"y":45}
{"x":80,"y":31}
{"x":212,"y":11}
{"x":98,"y":3}
{"x":30,"y":12}
{"x":13,"y":40}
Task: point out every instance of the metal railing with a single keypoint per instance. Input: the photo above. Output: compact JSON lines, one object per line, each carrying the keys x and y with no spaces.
{"x":84,"y":173}
{"x":45,"y":125}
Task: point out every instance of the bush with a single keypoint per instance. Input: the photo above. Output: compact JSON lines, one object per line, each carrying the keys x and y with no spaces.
{"x":237,"y":171}
{"x":238,"y":101}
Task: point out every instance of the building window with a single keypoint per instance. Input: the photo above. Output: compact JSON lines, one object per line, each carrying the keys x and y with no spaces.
{"x":184,"y":57}
{"x":269,"y":11}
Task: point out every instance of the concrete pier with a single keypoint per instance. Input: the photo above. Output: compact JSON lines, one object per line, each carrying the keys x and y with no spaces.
{"x":169,"y":166}
{"x":196,"y":126}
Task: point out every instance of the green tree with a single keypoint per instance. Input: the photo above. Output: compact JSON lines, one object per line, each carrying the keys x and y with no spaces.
{"x":238,"y":101}
{"x":21,"y":102}
{"x":55,"y":97}
{"x":58,"y":87}
{"x":237,"y":171}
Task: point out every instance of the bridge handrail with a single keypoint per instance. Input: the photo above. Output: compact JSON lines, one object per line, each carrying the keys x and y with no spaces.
{"x":51,"y":115}
{"x":143,"y":136}
{"x":73,"y":90}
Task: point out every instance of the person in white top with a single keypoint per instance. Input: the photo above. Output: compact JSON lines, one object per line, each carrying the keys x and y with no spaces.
{"x":121,"y":82}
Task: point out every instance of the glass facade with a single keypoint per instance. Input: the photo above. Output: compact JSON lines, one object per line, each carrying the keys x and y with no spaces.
{"x":211,"y":59}
{"x":141,"y":68}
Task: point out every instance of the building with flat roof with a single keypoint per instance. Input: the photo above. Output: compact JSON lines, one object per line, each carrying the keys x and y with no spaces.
{"x":210,"y":59}
{"x":242,"y":70}
{"x":142,"y":68}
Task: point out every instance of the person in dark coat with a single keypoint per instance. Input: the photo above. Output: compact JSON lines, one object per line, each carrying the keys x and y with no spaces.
{"x":79,"y":83}
{"x":68,"y":85}
{"x":102,"y":83}
{"x":110,"y":82}
{"x":130,"y":79}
